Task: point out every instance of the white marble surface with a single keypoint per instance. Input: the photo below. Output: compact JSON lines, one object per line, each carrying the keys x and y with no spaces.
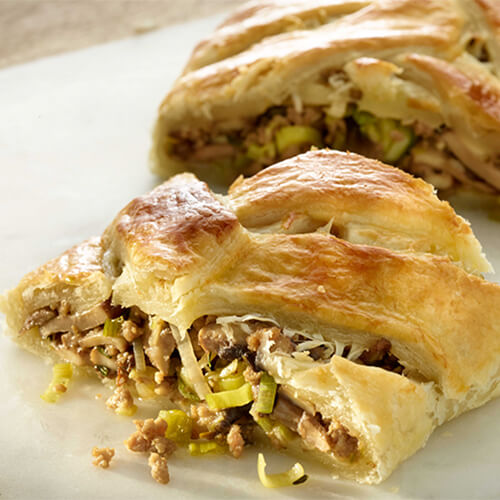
{"x":74,"y":138}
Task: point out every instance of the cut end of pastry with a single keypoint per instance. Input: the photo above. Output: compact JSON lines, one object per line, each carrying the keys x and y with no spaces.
{"x":421,"y":92}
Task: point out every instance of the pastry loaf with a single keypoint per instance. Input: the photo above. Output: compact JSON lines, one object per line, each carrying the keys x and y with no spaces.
{"x":355,"y":289}
{"x":413,"y":83}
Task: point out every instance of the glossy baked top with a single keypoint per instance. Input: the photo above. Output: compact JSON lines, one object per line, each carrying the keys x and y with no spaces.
{"x":359,"y":248}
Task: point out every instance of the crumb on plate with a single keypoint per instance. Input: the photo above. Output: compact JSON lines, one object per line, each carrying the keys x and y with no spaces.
{"x":159,"y":468}
{"x":103,"y":456}
{"x":150,"y":438}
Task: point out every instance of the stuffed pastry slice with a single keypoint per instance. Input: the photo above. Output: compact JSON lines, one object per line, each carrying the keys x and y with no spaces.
{"x":412,"y":83}
{"x":342,"y":312}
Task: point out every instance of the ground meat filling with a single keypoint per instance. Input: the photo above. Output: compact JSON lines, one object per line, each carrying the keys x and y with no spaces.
{"x":315,"y":433}
{"x":150,"y":437}
{"x":38,"y":318}
{"x":121,"y":401}
{"x":269,"y":138}
{"x":278,"y":341}
{"x":235,"y":441}
{"x":226,"y":343}
{"x":131,"y":331}
{"x":217,"y":425}
{"x":108,"y":338}
{"x":80,"y":321}
{"x":287,"y":413}
{"x":159,"y":468}
{"x":343,"y":443}
{"x":112,"y":348}
{"x":379,"y":355}
{"x":326,"y":436}
{"x":238,"y":147}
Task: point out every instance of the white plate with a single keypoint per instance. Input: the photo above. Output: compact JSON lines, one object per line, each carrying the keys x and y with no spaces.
{"x":74,"y":139}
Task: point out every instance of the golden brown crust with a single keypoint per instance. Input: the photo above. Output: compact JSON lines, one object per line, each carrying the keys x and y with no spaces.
{"x":397,"y":211}
{"x":392,"y":24}
{"x":257,"y":20}
{"x":491,"y":10}
{"x":170,"y":240}
{"x":468,"y":91}
{"x":76,"y":264}
{"x":173,"y":223}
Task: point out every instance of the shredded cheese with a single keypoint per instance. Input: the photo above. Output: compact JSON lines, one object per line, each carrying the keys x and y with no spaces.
{"x":332,"y":347}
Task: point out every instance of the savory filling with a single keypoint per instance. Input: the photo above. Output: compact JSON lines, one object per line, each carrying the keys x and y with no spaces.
{"x":140,"y":353}
{"x":285,"y":131}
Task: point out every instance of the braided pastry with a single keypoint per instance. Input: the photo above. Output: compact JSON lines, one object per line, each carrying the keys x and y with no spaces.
{"x":344,"y":279}
{"x":410,"y":82}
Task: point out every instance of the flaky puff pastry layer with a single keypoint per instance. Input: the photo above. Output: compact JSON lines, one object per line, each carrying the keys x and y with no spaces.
{"x":408,"y":60}
{"x":267,"y":249}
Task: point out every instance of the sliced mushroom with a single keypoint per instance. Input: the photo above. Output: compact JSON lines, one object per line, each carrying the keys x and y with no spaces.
{"x":159,"y":346}
{"x":98,"y":358}
{"x":287,"y":413}
{"x":96,"y":338}
{"x":82,"y":321}
{"x":73,"y":357}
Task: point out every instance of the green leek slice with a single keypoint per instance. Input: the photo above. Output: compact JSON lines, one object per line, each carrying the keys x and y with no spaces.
{"x":293,"y":135}
{"x":144,"y":382}
{"x":394,"y":138}
{"x":126,"y":411}
{"x":282,"y":433}
{"x":267,"y":394}
{"x":228,"y":378}
{"x":295,"y":475}
{"x":234,"y":367}
{"x":204,"y":361}
{"x":230,"y":399}
{"x":197,"y":448}
{"x":275,"y":429}
{"x":339,"y":141}
{"x":265,"y":423}
{"x":179,"y":425}
{"x":112,"y":327}
{"x":61,"y":375}
{"x":397,"y":148}
{"x":229,"y":383}
{"x":185,"y":389}
{"x":147,"y":375}
{"x":145,"y":390}
{"x":256,"y":152}
{"x":363,"y":118}
{"x":170,"y":142}
{"x":103,"y":370}
{"x":368,"y":125}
